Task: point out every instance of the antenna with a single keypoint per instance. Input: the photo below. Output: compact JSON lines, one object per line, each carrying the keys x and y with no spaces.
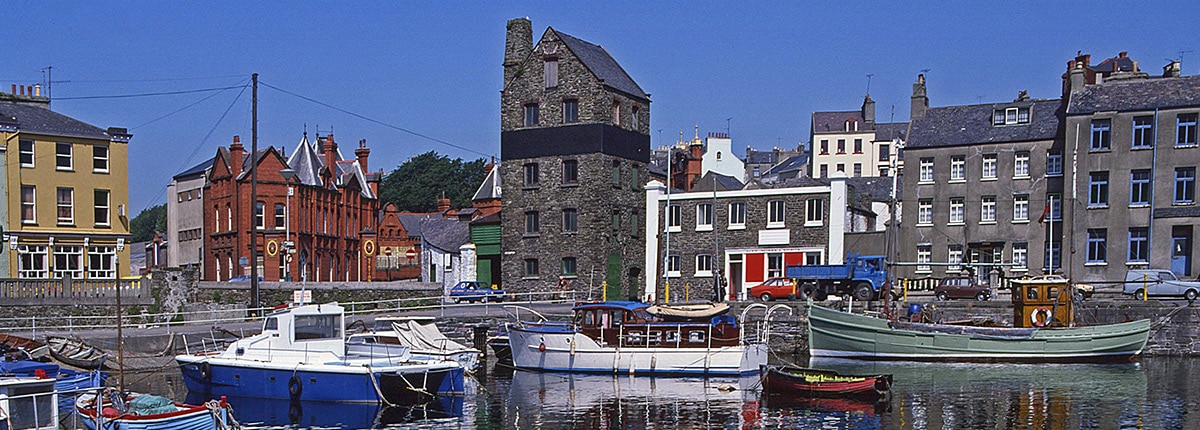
{"x":869,"y":75}
{"x":727,"y":126}
{"x":925,"y":70}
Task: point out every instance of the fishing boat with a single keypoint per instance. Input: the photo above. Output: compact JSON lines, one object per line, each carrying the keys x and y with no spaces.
{"x":302,"y":354}
{"x":1045,"y":331}
{"x":28,"y":403}
{"x":801,"y":382}
{"x":620,"y":337}
{"x":67,"y":382}
{"x":14,"y":347}
{"x":421,"y":336}
{"x":688,"y":311}
{"x":150,"y":412}
{"x":76,"y":353}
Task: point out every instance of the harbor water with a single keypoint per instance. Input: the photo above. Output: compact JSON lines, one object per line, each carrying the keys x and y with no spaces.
{"x":1154,"y":393}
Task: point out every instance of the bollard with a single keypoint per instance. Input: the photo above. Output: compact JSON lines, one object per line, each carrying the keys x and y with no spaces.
{"x":480,"y":332}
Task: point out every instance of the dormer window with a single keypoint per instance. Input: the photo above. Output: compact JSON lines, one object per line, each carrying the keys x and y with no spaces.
{"x":851,"y":125}
{"x":1009,"y":116}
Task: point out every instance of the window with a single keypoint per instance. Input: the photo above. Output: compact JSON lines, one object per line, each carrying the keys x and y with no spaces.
{"x":1020,"y":207}
{"x":1139,"y":245}
{"x":1185,"y":130}
{"x":28,"y":204}
{"x":1054,"y":163}
{"x":926,"y":170}
{"x":774,"y":265}
{"x":100,"y":159}
{"x":616,"y":221}
{"x":101,"y":260}
{"x":814,"y":212}
{"x":228,"y":217}
{"x":1139,"y":188}
{"x":568,"y":266}
{"x":31,"y":262}
{"x":280,"y":216}
{"x":958,"y":168}
{"x":857,"y":170}
{"x":62,"y":156}
{"x":1097,"y":189}
{"x":824,"y":146}
{"x":260,"y":221}
{"x":884,"y":172}
{"x":674,"y":219}
{"x":987,"y":210}
{"x":858,"y":146}
{"x":633,"y":223}
{"x":1052,"y":256}
{"x":704,"y":265}
{"x":704,"y":217}
{"x":1012,"y":115}
{"x":885,"y":152}
{"x":531,"y":268}
{"x":634,"y":113}
{"x":1185,"y":185}
{"x":824,"y":171}
{"x":66,"y":206}
{"x":1021,"y":165}
{"x":616,"y":112}
{"x":531,"y":115}
{"x":570,"y":173}
{"x":616,"y":174}
{"x":570,"y":222}
{"x":841,"y":167}
{"x":673,"y":263}
{"x":924,"y":256}
{"x":1055,"y":202}
{"x":68,"y":260}
{"x":956,"y":210}
{"x":570,"y":111}
{"x":954,"y":256}
{"x":841,"y":146}
{"x":26,"y":153}
{"x":737,"y":215}
{"x":1096,"y":247}
{"x":1143,"y":132}
{"x":550,"y":73}
{"x":988,"y":167}
{"x":102,"y":204}
{"x":532,"y":226}
{"x":1020,"y":256}
{"x":1101,"y":134}
{"x":925,"y":211}
{"x":775,"y":213}
{"x":634,"y":183}
{"x":531,"y":174}
{"x":758,"y":170}
{"x":851,"y":125}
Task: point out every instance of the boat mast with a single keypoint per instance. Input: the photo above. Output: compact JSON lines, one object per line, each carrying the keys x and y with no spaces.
{"x":667,"y":226}
{"x":891,"y":232}
{"x":120,"y":338}
{"x":254,"y":195}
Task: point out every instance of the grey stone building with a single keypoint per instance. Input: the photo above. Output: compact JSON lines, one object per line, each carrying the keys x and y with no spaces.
{"x":978,"y":180}
{"x":185,"y":216}
{"x":1133,"y":202}
{"x":574,"y":149}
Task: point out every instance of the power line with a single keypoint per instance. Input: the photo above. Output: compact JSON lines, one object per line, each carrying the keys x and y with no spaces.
{"x":183,"y":108}
{"x":363,"y":117}
{"x":167,"y":93}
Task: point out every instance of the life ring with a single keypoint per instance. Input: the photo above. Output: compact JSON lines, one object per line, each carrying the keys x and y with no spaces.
{"x":205,"y":370}
{"x":563,"y":284}
{"x":1044,"y":313}
{"x":295,"y":387}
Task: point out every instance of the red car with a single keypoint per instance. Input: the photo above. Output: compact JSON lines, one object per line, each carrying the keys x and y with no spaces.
{"x":962,"y":287}
{"x":772,"y":288}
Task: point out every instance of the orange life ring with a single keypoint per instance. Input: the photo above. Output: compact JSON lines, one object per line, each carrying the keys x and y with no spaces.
{"x":1044,"y":312}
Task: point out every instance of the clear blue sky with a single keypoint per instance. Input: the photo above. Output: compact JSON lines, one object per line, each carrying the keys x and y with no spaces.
{"x":434,"y":68}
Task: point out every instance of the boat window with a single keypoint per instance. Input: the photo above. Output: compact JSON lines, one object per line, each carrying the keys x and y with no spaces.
{"x":605,"y":320}
{"x":1032,"y":293}
{"x":382,"y":325}
{"x":672,"y":337}
{"x":316,"y":327}
{"x":271,"y":324}
{"x":655,"y":337}
{"x":1053,"y":292}
{"x":589,"y":318}
{"x":696,"y":336}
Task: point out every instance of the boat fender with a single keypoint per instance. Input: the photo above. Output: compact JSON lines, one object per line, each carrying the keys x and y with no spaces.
{"x":1040,"y":322}
{"x":205,"y":370}
{"x":542,"y":347}
{"x":295,"y":387}
{"x":572,"y":347}
{"x":295,"y":412}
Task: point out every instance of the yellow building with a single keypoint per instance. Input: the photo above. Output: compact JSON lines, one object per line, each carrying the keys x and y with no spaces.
{"x":66,"y":186}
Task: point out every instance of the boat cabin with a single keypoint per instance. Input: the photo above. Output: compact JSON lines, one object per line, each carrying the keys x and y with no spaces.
{"x":627,"y":324}
{"x":314,"y":327}
{"x":1041,"y":303}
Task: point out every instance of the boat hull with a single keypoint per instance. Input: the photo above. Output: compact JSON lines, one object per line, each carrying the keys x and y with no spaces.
{"x":188,"y":417}
{"x":569,"y":351}
{"x":793,"y":382}
{"x":844,"y":335}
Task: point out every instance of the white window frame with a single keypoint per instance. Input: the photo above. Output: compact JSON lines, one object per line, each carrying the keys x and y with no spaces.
{"x":704,"y":217}
{"x":69,"y":205}
{"x":925,"y":212}
{"x":31,"y":204}
{"x":674,"y":263}
{"x":30,"y":152}
{"x":958,"y":168}
{"x":987,"y":210}
{"x":33,"y":261}
{"x":1021,"y":165}
{"x":1020,"y":256}
{"x":704,"y":264}
{"x":98,"y":158}
{"x":926,"y":171}
{"x":987,"y":169}
{"x":59,"y":156}
{"x":957,"y":210}
{"x":68,"y":259}
{"x":954,"y":258}
{"x":924,"y":257}
{"x":100,"y":262}
{"x":737,"y":216}
{"x":814,"y":212}
{"x":1020,"y":207}
{"x":674,"y":218}
{"x":776,"y":214}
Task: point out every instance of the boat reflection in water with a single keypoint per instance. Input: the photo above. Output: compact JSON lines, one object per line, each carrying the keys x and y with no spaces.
{"x":560,"y":400}
{"x":282,"y":413}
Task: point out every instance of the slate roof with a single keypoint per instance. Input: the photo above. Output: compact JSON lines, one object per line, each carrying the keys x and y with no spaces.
{"x":875,"y":189}
{"x":490,"y":189}
{"x":724,"y":183}
{"x":41,"y":120}
{"x":196,"y":170}
{"x":442,"y":233}
{"x":307,"y":164}
{"x":891,"y":130}
{"x":1136,"y":94}
{"x":829,"y":122}
{"x":759,"y":157}
{"x":793,"y":163}
{"x":1115,"y":64}
{"x":972,"y":124}
{"x":596,"y":58}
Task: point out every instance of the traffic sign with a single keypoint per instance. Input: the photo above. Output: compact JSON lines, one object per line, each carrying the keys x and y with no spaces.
{"x":411,"y":253}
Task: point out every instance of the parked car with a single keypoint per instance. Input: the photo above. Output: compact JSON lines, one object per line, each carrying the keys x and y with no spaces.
{"x":961,"y":287}
{"x":243,"y":278}
{"x":773,"y":288}
{"x":472,"y":291}
{"x":1158,"y":282}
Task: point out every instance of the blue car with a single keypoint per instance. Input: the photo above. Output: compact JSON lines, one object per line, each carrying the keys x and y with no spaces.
{"x":472,"y":291}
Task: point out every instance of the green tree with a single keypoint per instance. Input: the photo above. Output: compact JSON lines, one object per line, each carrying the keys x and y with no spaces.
{"x":150,"y":220}
{"x":417,"y":183}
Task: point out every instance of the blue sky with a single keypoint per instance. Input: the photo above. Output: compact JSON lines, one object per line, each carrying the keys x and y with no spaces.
{"x":434,"y":68}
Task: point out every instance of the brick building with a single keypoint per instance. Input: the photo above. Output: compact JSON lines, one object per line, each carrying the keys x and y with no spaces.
{"x":574,"y":151}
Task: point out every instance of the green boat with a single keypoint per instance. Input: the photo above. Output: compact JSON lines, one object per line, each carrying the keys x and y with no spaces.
{"x":1047,"y":332}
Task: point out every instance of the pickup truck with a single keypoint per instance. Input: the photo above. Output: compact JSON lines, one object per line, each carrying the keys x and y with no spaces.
{"x":1158,"y":282}
{"x":472,"y":291}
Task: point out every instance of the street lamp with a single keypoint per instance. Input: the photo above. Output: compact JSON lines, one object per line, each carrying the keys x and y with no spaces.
{"x":288,"y":176}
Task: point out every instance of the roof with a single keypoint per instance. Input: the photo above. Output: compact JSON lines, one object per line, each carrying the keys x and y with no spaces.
{"x":891,"y":130}
{"x":490,"y":189}
{"x":1120,"y":63}
{"x":828,"y":122}
{"x":444,"y":234}
{"x":307,"y":163}
{"x":1136,"y":94}
{"x":875,"y":189}
{"x":790,"y":164}
{"x":724,"y":183}
{"x":42,"y":120}
{"x":197,"y":169}
{"x":487,"y":219}
{"x":972,"y":124}
{"x":596,"y":58}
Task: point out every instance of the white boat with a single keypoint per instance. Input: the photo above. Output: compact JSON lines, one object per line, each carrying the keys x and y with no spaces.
{"x":421,"y":336}
{"x":302,"y":354}
{"x":28,"y":403}
{"x":621,"y":338}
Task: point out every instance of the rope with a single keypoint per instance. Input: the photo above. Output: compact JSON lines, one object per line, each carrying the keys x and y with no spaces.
{"x":378,"y":390}
{"x":223,"y":422}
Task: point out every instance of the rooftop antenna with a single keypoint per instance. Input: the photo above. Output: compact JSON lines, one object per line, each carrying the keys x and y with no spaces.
{"x":869,"y":75}
{"x":727,"y":126}
{"x":924,"y":71}
{"x":893,"y":117}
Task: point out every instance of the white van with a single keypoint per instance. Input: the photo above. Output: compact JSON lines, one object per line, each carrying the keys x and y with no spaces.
{"x":1159,"y":282}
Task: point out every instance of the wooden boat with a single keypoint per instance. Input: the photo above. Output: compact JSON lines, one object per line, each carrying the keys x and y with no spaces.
{"x":149,"y":412}
{"x":76,"y":353}
{"x":1045,"y":332}
{"x":21,"y":348}
{"x":687,"y":312}
{"x":801,"y":382}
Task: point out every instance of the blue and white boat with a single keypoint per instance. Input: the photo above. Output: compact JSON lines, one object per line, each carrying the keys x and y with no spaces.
{"x":302,"y":354}
{"x":28,"y":403}
{"x":68,"y":383}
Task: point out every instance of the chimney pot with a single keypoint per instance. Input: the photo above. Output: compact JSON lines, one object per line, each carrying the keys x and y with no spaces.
{"x":14,"y":89}
{"x":237,"y":139}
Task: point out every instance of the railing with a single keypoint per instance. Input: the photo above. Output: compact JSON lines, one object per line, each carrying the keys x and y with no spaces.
{"x":67,"y":291}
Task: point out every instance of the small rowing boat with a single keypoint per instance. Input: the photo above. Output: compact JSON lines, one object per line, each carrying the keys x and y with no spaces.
{"x":74,"y":352}
{"x":802,"y":382}
{"x":20,"y":348}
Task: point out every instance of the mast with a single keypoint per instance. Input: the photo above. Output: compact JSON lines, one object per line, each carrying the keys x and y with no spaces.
{"x":254,"y":196}
{"x":890,"y":243}
{"x":120,"y":338}
{"x":718,"y":276}
{"x":667,"y":229}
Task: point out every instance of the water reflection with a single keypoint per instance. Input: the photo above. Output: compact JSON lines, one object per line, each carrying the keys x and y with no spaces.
{"x":256,"y":413}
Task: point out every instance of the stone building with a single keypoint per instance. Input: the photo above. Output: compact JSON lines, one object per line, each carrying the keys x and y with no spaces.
{"x":759,"y":162}
{"x":574,"y":149}
{"x":185,"y":216}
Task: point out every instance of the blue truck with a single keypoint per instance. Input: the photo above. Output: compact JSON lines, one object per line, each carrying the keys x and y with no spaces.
{"x":863,"y":277}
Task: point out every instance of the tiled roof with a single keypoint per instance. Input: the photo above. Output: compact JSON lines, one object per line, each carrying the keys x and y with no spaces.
{"x":596,"y":58}
{"x":891,"y":130}
{"x":1137,"y":94}
{"x":40,"y":120}
{"x":972,"y":124}
{"x":829,"y":122}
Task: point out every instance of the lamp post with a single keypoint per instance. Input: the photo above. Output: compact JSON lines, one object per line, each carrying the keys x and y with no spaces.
{"x":288,"y":176}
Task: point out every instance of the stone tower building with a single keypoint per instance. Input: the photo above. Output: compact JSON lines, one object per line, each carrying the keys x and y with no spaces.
{"x":574,"y":150}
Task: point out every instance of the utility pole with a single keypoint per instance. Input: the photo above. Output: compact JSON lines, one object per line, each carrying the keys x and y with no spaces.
{"x":253,"y":195}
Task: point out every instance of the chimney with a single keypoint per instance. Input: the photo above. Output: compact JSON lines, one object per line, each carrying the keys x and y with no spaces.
{"x":361,"y":154}
{"x":236,"y":152}
{"x":1022,"y":96}
{"x":1078,"y":72}
{"x":330,"y":153}
{"x":1173,"y":70}
{"x":920,"y":102}
{"x":868,"y":111}
{"x":518,"y":44}
{"x":443,"y":204}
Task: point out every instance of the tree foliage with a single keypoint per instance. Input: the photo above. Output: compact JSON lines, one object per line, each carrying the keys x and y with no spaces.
{"x":150,"y":220}
{"x":417,"y":183}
